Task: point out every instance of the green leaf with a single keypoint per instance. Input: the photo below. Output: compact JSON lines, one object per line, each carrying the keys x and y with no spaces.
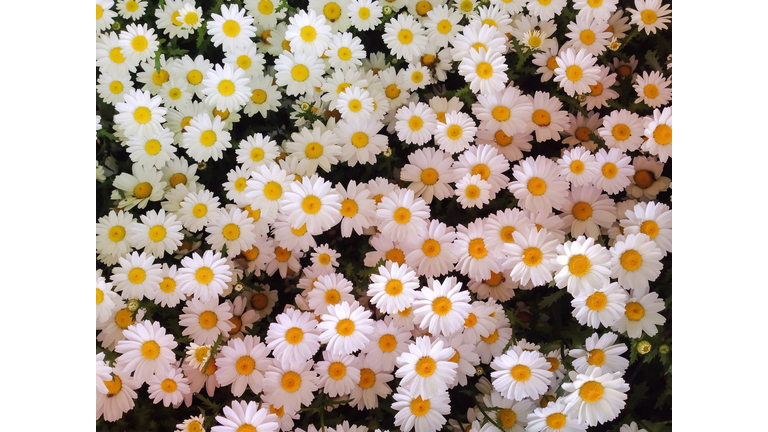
{"x":653,"y":61}
{"x":552,"y":298}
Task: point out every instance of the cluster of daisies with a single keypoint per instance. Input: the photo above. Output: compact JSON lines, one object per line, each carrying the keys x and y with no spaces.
{"x":434,"y":308}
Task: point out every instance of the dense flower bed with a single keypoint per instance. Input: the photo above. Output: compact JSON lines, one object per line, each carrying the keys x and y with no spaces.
{"x":364,"y":215}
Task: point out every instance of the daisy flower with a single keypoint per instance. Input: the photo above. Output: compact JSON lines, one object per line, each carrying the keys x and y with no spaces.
{"x":596,"y":306}
{"x":192,"y":424}
{"x":442,"y":308}
{"x":146,"y":350}
{"x":313,"y":202}
{"x":433,"y":253}
{"x":456,"y":133}
{"x":498,"y":287}
{"x":442,"y":25}
{"x":387,"y":343}
{"x":650,"y":15}
{"x":103,"y":374}
{"x":112,"y":89}
{"x":314,"y":148}
{"x":290,"y":385}
{"x":641,"y":315}
{"x":586,"y":210}
{"x":243,"y":363}
{"x":513,"y":415}
{"x":538,"y":185}
{"x":242,"y":416}
{"x":601,"y":351}
{"x":421,"y":413}
{"x":601,"y":92}
{"x":204,"y":277}
{"x":259,"y":256}
{"x":119,"y":398}
{"x":622,"y":129}
{"x":427,"y":171}
{"x":584,"y":264}
{"x":337,"y":374}
{"x":361,"y":141}
{"x":293,"y":337}
{"x":485,"y":71}
{"x":197,"y":209}
{"x":355,"y":104}
{"x":284,"y":261}
{"x":647,"y":181}
{"x":598,"y":10}
{"x":170,"y":388}
{"x":246,"y":59}
{"x":576,"y":71}
{"x":106,"y":300}
{"x":416,"y":77}
{"x":473,"y":191}
{"x":265,"y":96}
{"x":615,"y":170}
{"x":500,"y":227}
{"x":324,"y":258}
{"x":232,"y":29}
{"x":474,"y":259}
{"x":653,"y":89}
{"x":157,"y":234}
{"x":308,"y":33}
{"x":595,"y":397}
{"x":554,"y":418}
{"x":205,"y":138}
{"x":226,"y":88}
{"x":233,"y":229}
{"x":658,"y":130}
{"x":357,"y":209}
{"x":266,"y":187}
{"x":636,"y":260}
{"x":204,"y":321}
{"x":484,"y":160}
{"x":364,"y":14}
{"x":152,"y":149}
{"x":508,"y":112}
{"x":416,"y":123}
{"x":401,"y":216}
{"x":300,"y":73}
{"x":547,"y":118}
{"x":426,"y":369}
{"x":394,"y":288}
{"x":588,"y":35}
{"x":109,"y":56}
{"x":531,"y":256}
{"x":111,"y":233}
{"x":329,"y":290}
{"x":345,"y":328}
{"x":265,"y":12}
{"x":578,"y":166}
{"x":345,"y":51}
{"x":544,"y":9}
{"x":137,"y":276}
{"x":263,"y":301}
{"x":104,"y":15}
{"x":520,"y":374}
{"x":405,"y":38}
{"x":653,"y":219}
{"x":119,"y":320}
{"x":546,"y":62}
{"x":140,"y":113}
{"x":138,"y":43}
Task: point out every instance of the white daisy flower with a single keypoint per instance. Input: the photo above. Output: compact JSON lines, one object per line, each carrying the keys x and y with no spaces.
{"x":243,"y":363}
{"x":138,"y":43}
{"x":658,"y":130}
{"x":205,"y":138}
{"x":584,"y":264}
{"x":508,"y":112}
{"x":545,"y":9}
{"x":355,"y":104}
{"x":337,"y":373}
{"x":242,"y":416}
{"x":346,"y":328}
{"x":265,"y":96}
{"x":137,"y":276}
{"x":394,"y":288}
{"x":615,"y":170}
{"x":576,"y":71}
{"x":442,"y":25}
{"x":416,"y":123}
{"x":474,"y":37}
{"x":588,"y":35}
{"x":641,"y":315}
{"x":345,"y":51}
{"x":360,"y":141}
{"x":428,"y":173}
{"x":313,"y":202}
{"x":513,"y":415}
{"x":456,"y":133}
{"x":554,"y":418}
{"x":653,"y":89}
{"x":442,"y":307}
{"x":204,"y":321}
{"x":387,"y":343}
{"x":586,"y":210}
{"x":473,"y":191}
{"x":265,"y":12}
{"x":653,"y":219}
{"x":106,"y":300}
{"x":140,"y":114}
{"x":423,"y":414}
{"x":232,"y":29}
{"x":622,"y":129}
{"x":547,"y":118}
{"x":531,"y":256}
{"x":111,"y":234}
{"x":596,"y":306}
{"x":433,"y":253}
{"x":598,"y":10}
{"x":226,"y":88}
{"x":520,"y":374}
{"x":233,"y":229}
{"x":308,"y":33}
{"x":485,"y":71}
{"x":538,"y":185}
{"x":364,"y":14}
{"x":104,"y":15}
{"x":474,"y":259}
{"x":650,"y":15}
{"x":426,"y":369}
{"x":293,"y":337}
{"x":595,"y":397}
{"x":112,"y":89}
{"x":401,"y":216}
{"x":601,"y":92}
{"x":578,"y":166}
{"x":266,"y":187}
{"x":601,"y":351}
{"x":157,"y":234}
{"x":357,"y":209}
{"x":146,"y":350}
{"x":635,"y":261}
{"x":315,"y":148}
{"x":170,"y":387}
{"x":405,"y":38}
{"x":204,"y":277}
{"x":299,"y":73}
{"x":484,"y":160}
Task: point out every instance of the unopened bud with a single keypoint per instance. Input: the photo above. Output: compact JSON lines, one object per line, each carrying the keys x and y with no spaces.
{"x":132,"y":305}
{"x":644,"y":347}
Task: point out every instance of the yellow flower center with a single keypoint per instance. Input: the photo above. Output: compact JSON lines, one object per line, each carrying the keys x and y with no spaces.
{"x":579,"y":265}
{"x":273,"y":190}
{"x":574,"y":73}
{"x":426,"y":366}
{"x":441,"y":306}
{"x":650,"y":91}
{"x":532,"y":256}
{"x":402,"y":215}
{"x":500,"y":113}
{"x":502,"y":139}
{"x":415,"y":123}
{"x":392,"y":91}
{"x":506,"y":234}
{"x":266,"y":7}
{"x":116,"y":87}
{"x":597,"y":301}
{"x":587,"y":37}
{"x":345,"y":327}
{"x":367,"y":378}
{"x":337,"y":370}
{"x":419,"y":406}
{"x":484,"y":70}
{"x":596,"y":357}
{"x":116,"y":55}
{"x":610,"y":170}
{"x":291,"y":381}
{"x":114,"y":385}
{"x":157,"y":233}
{"x":394,"y":287}
{"x":541,"y":117}
{"x":483,"y":170}
{"x":648,"y":16}
{"x":294,"y":335}
{"x":520,"y":373}
{"x":259,"y":301}
{"x":472,"y":192}
{"x":348,"y":208}
{"x":300,"y":73}
{"x":168,"y":285}
{"x":99,"y":12}
{"x":508,"y":418}
{"x":123,"y":318}
{"x":552,"y":63}
{"x":116,"y":233}
{"x":405,"y":36}
{"x":537,"y":186}
{"x":311,"y":204}
{"x":332,"y":11}
{"x":137,"y":275}
{"x":634,"y":311}
{"x":395,"y":255}
{"x":142,"y":115}
{"x":556,"y":421}
{"x":631,"y":260}
{"x":231,"y":28}
{"x":208,"y":138}
{"x":387,"y":343}
{"x":444,"y":26}
{"x":477,"y":248}
{"x":591,"y":391}
{"x":662,"y":134}
{"x":491,"y":338}
{"x":364,"y":13}
{"x":431,"y":248}
{"x":150,"y":350}
{"x":423,"y":7}
{"x":231,"y":232}
{"x":139,"y":43}
{"x":259,"y":96}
